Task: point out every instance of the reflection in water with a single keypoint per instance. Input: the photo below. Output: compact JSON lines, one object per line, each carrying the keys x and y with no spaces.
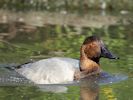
{"x":58,"y":88}
{"x":89,"y":89}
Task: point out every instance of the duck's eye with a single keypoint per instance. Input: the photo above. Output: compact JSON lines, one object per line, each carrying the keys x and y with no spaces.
{"x":104,"y":51}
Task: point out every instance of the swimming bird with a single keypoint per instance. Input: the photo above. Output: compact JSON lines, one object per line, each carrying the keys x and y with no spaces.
{"x":61,"y":70}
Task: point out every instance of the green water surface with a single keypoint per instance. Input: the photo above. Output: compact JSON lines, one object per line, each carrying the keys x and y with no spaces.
{"x":57,"y":40}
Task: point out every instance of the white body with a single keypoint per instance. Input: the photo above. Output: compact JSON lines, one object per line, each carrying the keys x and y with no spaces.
{"x":50,"y":71}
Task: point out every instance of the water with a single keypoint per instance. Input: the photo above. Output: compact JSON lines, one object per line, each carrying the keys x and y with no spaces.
{"x":26,"y":37}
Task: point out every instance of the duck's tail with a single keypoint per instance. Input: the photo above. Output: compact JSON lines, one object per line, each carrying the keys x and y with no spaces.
{"x":14,"y":66}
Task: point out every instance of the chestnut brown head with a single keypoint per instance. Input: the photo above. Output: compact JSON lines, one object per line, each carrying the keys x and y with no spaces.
{"x":95,"y":49}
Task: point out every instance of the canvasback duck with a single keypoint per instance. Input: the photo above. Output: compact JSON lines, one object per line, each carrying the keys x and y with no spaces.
{"x":62,"y":70}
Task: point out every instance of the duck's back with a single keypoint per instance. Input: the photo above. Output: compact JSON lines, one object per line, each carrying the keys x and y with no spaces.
{"x":50,"y":71}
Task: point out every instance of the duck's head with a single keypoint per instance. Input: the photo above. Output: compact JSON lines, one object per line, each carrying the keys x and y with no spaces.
{"x":92,"y":50}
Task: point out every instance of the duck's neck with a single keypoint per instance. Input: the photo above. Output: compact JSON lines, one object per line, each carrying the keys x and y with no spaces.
{"x":87,"y":63}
